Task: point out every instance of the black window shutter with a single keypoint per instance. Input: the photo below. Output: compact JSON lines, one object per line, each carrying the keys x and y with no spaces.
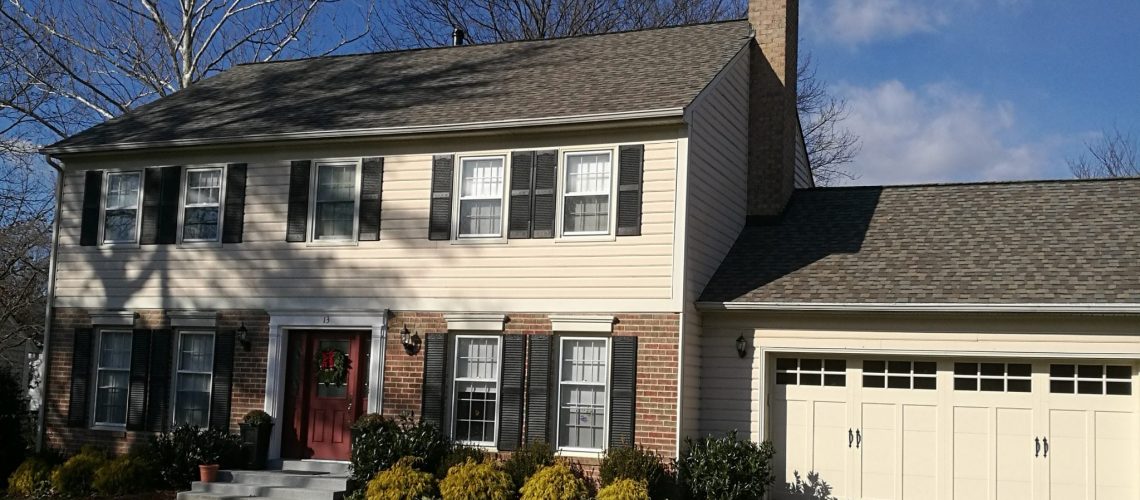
{"x":631,"y":160}
{"x":92,"y":198}
{"x":435,"y":374}
{"x":371,"y":190}
{"x":522,"y":189}
{"x":297,"y":227}
{"x":538,"y":428}
{"x":152,"y":196}
{"x":545,"y":195}
{"x":442,"y":172}
{"x":511,"y":399}
{"x":137,"y":393}
{"x":223,"y":380}
{"x":623,"y":390}
{"x":160,"y":206}
{"x":80,"y":377}
{"x":233,"y":216}
{"x":158,"y":391}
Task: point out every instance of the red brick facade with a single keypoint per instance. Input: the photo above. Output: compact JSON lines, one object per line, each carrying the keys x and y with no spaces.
{"x":656,"y":411}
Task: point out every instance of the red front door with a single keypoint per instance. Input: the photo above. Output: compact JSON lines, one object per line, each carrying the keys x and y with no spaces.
{"x":324,"y":399}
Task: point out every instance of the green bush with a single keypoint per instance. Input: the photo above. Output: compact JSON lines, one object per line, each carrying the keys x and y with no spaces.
{"x":31,"y":479}
{"x":726,"y":467}
{"x":625,"y":489}
{"x":473,"y":480}
{"x":378,"y":442}
{"x":401,"y":482}
{"x":15,"y":421}
{"x":124,"y":475}
{"x":527,"y":460}
{"x":639,"y":464}
{"x":459,"y":454}
{"x":554,"y":482}
{"x":73,"y":478}
{"x":177,"y":454}
{"x":257,"y":418}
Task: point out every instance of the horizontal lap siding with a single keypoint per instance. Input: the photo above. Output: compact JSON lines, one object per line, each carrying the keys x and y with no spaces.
{"x":402,"y":270}
{"x":717,"y":179}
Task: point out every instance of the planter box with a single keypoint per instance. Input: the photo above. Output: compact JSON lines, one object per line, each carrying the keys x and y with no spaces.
{"x":255,"y":444}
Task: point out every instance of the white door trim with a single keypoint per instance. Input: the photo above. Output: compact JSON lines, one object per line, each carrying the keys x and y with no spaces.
{"x":279,"y":326}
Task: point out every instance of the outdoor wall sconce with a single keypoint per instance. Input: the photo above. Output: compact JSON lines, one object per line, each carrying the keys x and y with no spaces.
{"x":410,"y":340}
{"x":243,"y":337}
{"x":741,"y":346}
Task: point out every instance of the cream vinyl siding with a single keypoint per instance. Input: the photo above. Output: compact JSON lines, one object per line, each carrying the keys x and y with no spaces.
{"x":717,"y":202}
{"x":404,"y":270}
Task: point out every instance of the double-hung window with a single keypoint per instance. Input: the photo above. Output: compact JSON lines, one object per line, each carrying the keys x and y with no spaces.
{"x":202,"y":204}
{"x":586,"y":193}
{"x":583,"y":384}
{"x":112,"y":377}
{"x":194,"y":378}
{"x":476,"y":390}
{"x":334,"y":201}
{"x":121,"y":207}
{"x":481,"y":197}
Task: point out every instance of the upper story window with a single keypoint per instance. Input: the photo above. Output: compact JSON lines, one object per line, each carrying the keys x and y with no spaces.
{"x":202,"y":203}
{"x":583,"y":387}
{"x":334,"y":201}
{"x":476,"y":390}
{"x":112,"y":376}
{"x":121,"y":207}
{"x":194,"y":378}
{"x":481,"y":197}
{"x":586,"y":193}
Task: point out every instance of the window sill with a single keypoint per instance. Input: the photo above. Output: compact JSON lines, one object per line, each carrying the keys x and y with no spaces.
{"x":200,"y":244}
{"x":585,"y":238}
{"x":122,"y":244}
{"x":490,"y":240}
{"x":108,"y":428}
{"x":333,"y":243}
{"x":580,"y":454}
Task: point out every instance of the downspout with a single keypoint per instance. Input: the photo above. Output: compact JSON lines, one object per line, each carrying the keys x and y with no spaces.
{"x":50,"y":299}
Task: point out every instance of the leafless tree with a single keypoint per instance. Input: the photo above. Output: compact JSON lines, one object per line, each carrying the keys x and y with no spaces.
{"x":1112,"y":155}
{"x":830,"y":146}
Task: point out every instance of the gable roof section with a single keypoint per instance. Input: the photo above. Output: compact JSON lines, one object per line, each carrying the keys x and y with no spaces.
{"x":657,"y":69}
{"x":1045,"y":242}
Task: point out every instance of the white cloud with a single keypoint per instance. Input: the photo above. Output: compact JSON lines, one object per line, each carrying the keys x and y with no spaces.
{"x":861,"y":21}
{"x":937,"y":133}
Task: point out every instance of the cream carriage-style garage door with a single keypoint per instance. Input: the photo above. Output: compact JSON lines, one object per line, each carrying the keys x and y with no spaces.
{"x":926,"y":428}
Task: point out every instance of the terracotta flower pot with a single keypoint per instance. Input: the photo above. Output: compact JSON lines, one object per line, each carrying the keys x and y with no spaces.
{"x":208,"y":473}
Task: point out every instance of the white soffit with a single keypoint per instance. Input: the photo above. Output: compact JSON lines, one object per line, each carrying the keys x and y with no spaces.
{"x":592,"y":324}
{"x":475,"y":321}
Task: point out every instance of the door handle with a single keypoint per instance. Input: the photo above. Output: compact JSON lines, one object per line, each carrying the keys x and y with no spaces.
{"x":1046,"y":441}
{"x":1036,"y":447}
{"x":858,"y":438}
{"x":850,"y":438}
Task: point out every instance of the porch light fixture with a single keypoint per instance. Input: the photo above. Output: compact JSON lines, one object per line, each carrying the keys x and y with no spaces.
{"x":741,"y":346}
{"x":410,"y":340}
{"x":243,"y":337}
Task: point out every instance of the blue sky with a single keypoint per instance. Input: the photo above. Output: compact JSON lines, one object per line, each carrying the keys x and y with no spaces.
{"x":974,"y":90}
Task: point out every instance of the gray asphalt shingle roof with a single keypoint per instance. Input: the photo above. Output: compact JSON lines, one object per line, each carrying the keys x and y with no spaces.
{"x":1046,"y":242}
{"x":619,"y":72}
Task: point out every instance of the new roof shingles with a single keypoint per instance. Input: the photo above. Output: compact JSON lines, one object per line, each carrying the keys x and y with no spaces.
{"x":619,"y":72}
{"x":1048,"y":242}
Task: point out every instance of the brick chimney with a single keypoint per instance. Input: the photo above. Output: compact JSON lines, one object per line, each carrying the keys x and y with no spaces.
{"x":772,"y":106}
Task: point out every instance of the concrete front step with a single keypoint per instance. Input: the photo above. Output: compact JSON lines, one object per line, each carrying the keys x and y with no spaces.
{"x":313,"y":480}
{"x":236,"y":490}
{"x":300,"y":480}
{"x":330,"y":467}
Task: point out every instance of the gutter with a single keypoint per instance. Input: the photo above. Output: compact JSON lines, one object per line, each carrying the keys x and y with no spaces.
{"x":376,"y":132}
{"x":49,"y":305}
{"x":922,"y":307}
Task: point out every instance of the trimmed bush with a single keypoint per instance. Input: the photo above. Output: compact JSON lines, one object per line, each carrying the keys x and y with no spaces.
{"x":554,"y":482}
{"x":73,"y":478}
{"x":401,"y":482}
{"x":726,"y":468}
{"x":378,"y":442}
{"x":458,"y":455}
{"x":527,"y":460}
{"x":473,"y":480}
{"x":177,"y":454}
{"x":625,"y":489}
{"x":638,"y":464}
{"x":123,"y":475}
{"x":31,"y":479}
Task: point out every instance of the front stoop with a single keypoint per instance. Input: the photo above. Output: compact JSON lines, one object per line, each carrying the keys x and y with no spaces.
{"x":297,"y":480}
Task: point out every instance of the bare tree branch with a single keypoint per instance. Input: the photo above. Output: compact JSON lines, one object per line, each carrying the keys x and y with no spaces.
{"x":1114,"y":154}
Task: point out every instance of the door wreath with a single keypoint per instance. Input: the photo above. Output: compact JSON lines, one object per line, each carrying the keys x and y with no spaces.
{"x":332,"y":367}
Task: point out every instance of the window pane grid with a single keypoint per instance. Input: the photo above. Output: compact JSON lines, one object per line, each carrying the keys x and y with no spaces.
{"x":202,"y":204}
{"x":582,"y":396}
{"x":112,"y":378}
{"x":897,"y":374}
{"x":481,"y":197}
{"x":121,"y":207}
{"x":1090,"y":379}
{"x":992,"y":377}
{"x":335,"y":202}
{"x":195,"y":375}
{"x":824,"y":372}
{"x":476,"y":389}
{"x":586,"y":198}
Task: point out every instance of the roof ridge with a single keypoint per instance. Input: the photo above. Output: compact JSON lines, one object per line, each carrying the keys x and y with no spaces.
{"x":490,"y":44}
{"x":970,"y":183}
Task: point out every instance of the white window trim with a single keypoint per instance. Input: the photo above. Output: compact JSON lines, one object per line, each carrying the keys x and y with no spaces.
{"x":503,"y":199}
{"x":571,"y":450}
{"x":98,"y":354}
{"x":560,"y":210}
{"x":353,"y":239}
{"x":138,"y":207}
{"x":493,"y":444}
{"x":178,"y":372}
{"x":182,"y":206}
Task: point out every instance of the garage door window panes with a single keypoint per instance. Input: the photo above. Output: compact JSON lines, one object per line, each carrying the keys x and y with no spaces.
{"x":826,"y":372}
{"x":1090,"y":379}
{"x":992,"y":377}
{"x":900,"y":374}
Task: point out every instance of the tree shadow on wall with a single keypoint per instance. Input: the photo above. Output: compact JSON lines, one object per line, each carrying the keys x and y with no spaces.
{"x":814,"y":488}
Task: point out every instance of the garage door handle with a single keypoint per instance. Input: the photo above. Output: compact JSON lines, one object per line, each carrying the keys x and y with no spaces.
{"x":1046,"y":441}
{"x":850,"y":438}
{"x":1036,"y":447}
{"x":858,"y":438}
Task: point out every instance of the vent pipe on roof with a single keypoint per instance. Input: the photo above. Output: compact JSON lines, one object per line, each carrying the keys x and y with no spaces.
{"x":457,"y":35}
